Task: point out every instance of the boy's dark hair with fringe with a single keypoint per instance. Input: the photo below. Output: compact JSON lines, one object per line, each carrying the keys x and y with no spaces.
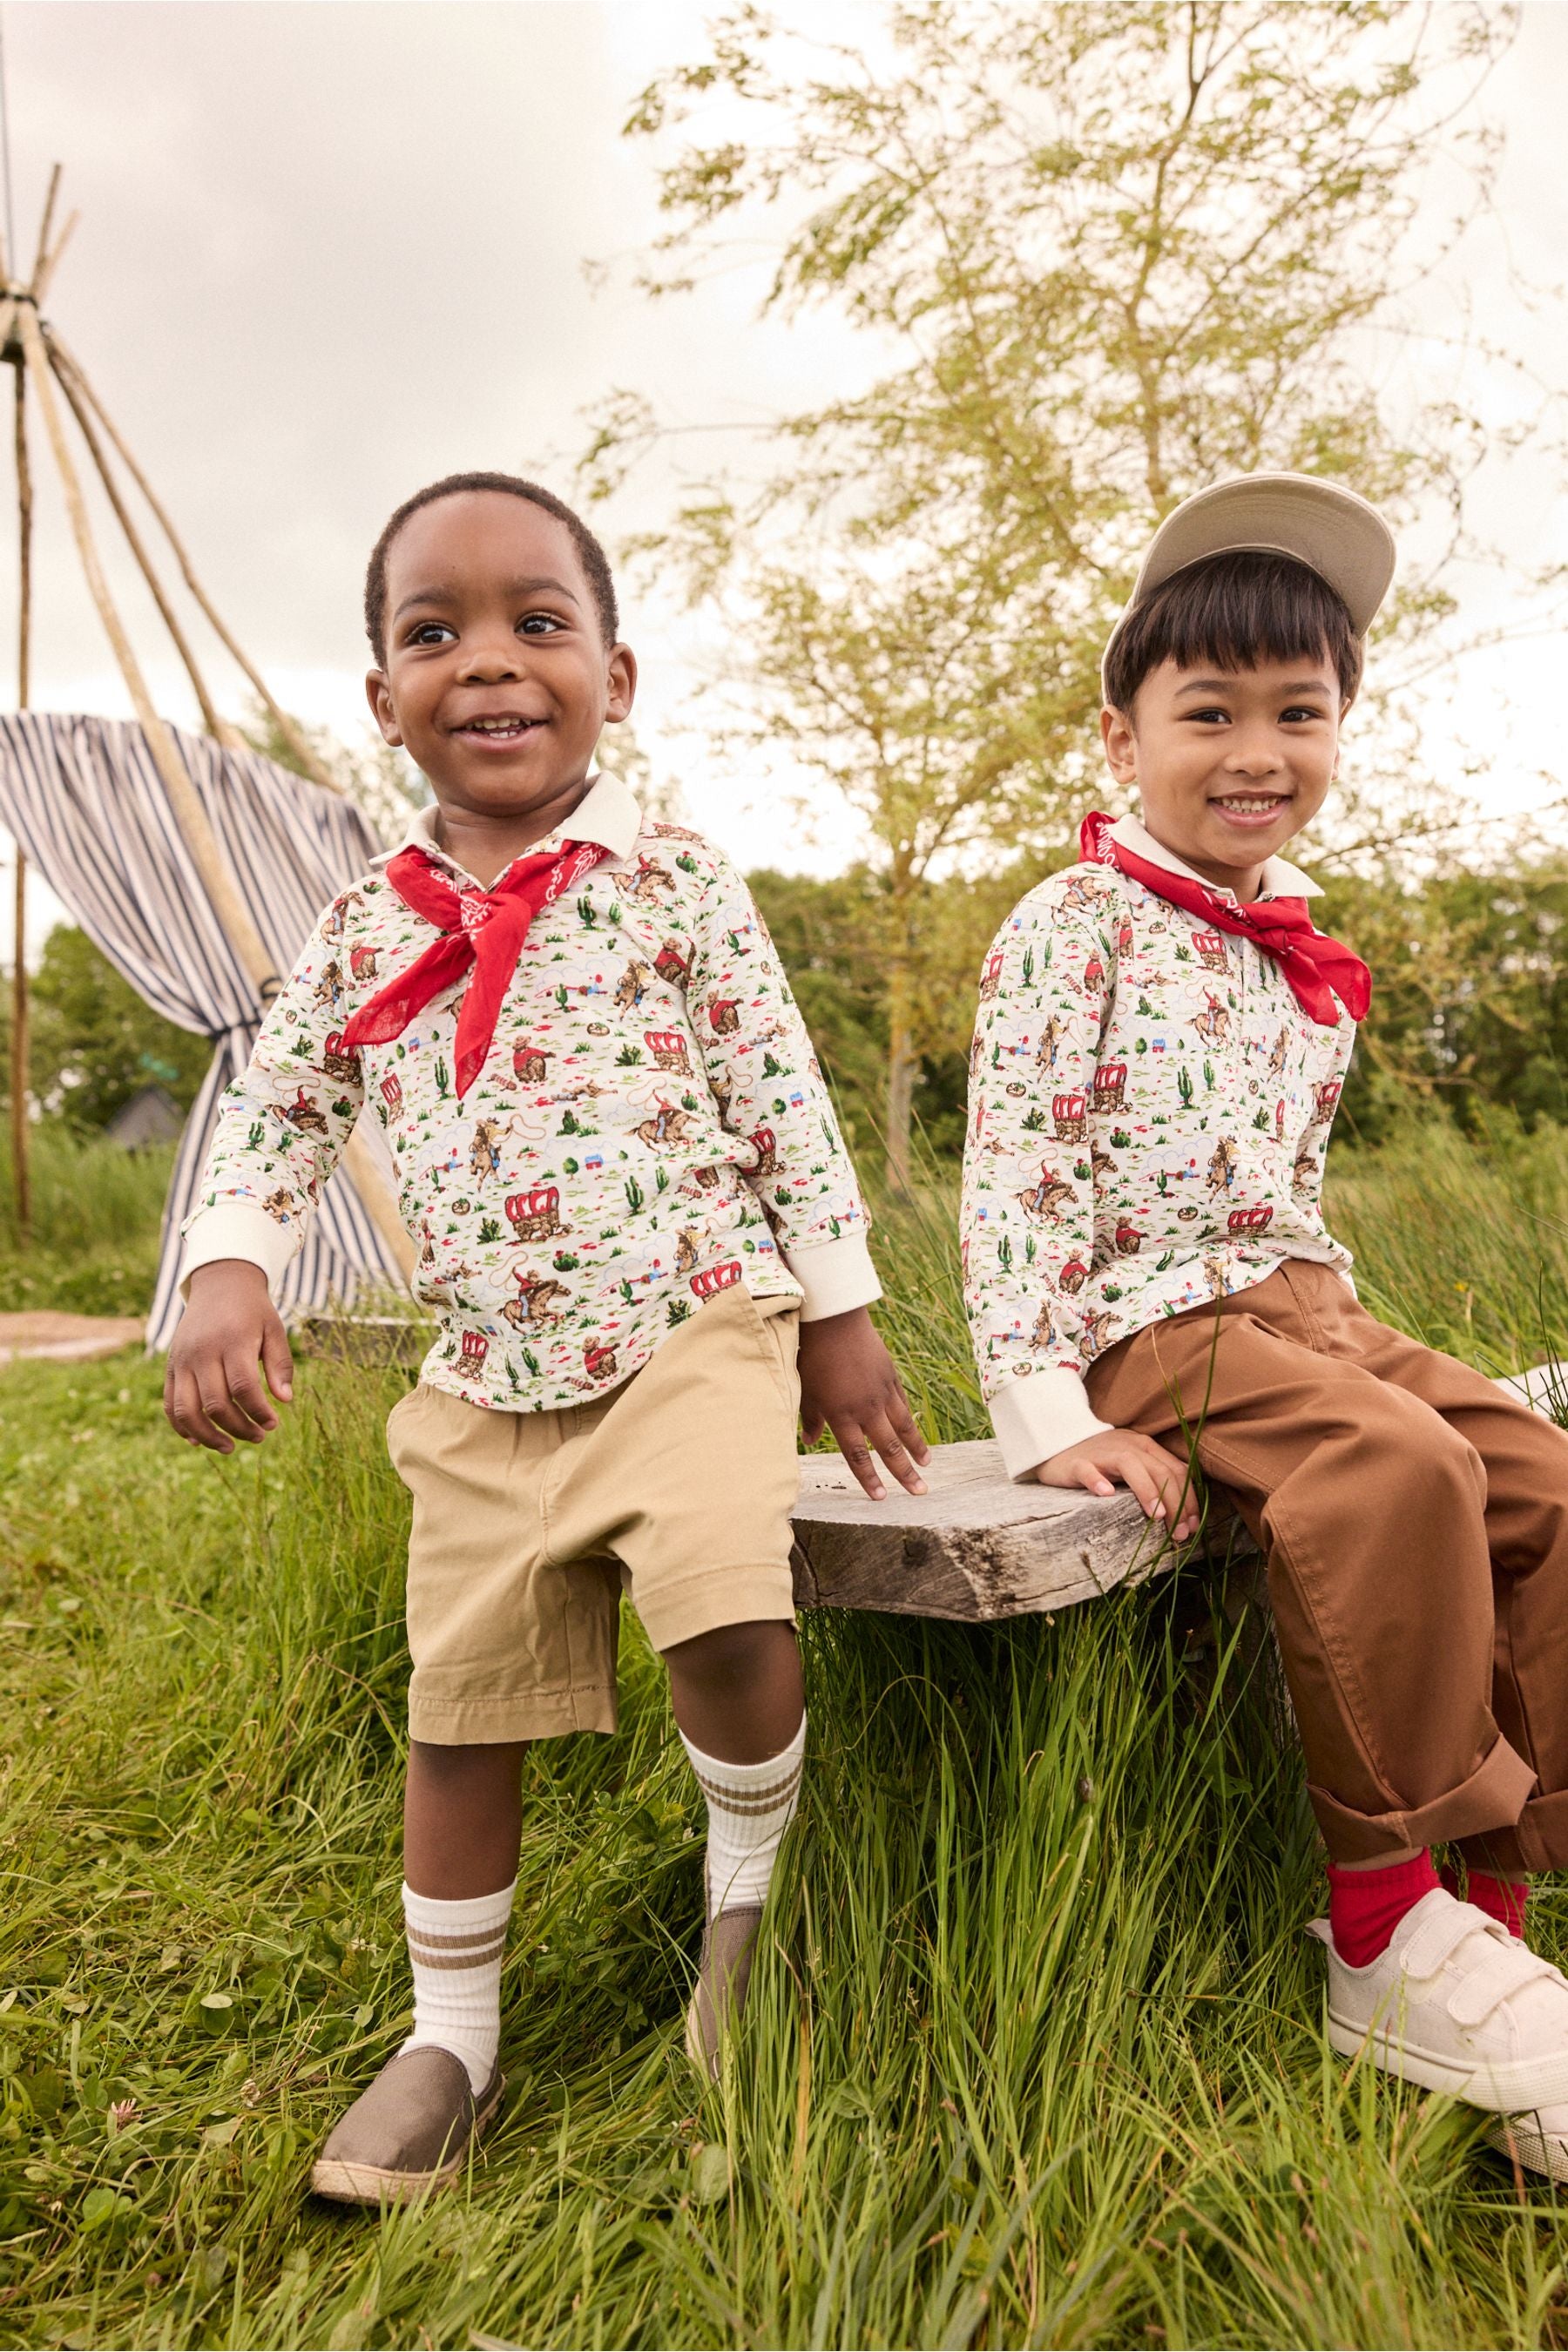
{"x":595,"y":562}
{"x":1232,"y":612}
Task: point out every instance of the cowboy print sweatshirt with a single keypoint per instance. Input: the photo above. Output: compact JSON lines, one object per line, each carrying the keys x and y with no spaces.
{"x":1149,"y":1112}
{"x":651,"y":1125}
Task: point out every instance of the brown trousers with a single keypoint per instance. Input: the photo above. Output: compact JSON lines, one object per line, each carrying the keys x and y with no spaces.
{"x":1414,"y":1524}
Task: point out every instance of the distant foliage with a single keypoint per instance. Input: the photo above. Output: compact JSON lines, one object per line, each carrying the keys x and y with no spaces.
{"x":1470,"y":1012}
{"x":97,"y":1210}
{"x":94,"y":1043}
{"x":1470,"y":1001}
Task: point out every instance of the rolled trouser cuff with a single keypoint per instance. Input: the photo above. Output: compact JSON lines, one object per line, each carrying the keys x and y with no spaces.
{"x":1493,"y":1798}
{"x":1541,"y":1833}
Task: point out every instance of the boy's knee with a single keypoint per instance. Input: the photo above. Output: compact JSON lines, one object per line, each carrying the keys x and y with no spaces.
{"x":732,"y":1653}
{"x":1426,"y":1463}
{"x":466,"y":1764}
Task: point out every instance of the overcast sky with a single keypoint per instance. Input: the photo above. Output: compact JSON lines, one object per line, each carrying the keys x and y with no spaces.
{"x":330,"y":248}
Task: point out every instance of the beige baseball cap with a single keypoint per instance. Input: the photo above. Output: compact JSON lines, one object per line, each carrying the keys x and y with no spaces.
{"x":1332,"y":531}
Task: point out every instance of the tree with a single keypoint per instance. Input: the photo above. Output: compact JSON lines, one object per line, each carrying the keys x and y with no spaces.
{"x":95,"y":1043}
{"x":1114,"y":254}
{"x":821,"y":927}
{"x":1469,"y":1008}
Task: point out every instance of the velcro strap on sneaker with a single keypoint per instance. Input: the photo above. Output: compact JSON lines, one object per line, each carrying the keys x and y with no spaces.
{"x":1439,"y":1936}
{"x":1474,"y":2000}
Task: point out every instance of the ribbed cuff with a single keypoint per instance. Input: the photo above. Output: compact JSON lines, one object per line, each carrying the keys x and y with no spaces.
{"x":233,"y":1229}
{"x":1038,"y":1417}
{"x":835,"y":1276}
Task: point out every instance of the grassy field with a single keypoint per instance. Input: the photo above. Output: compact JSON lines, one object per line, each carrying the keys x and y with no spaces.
{"x":96,"y":1212}
{"x":1033,"y":2053}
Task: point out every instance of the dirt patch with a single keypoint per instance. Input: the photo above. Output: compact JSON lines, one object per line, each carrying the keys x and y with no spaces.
{"x":67,"y":1339}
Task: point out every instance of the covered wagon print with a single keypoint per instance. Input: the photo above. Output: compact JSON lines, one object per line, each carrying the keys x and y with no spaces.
{"x":1149,"y":1112}
{"x":649,"y":1128}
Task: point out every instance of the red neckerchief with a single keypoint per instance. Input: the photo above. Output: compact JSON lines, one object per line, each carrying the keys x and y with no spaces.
{"x":1318,"y":968}
{"x":485,"y":929}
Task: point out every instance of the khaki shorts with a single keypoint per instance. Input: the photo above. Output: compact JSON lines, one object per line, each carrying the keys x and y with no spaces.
{"x":679,"y":1483}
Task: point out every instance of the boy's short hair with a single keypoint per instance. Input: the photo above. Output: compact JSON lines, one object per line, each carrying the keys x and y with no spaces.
{"x":595,"y":562}
{"x":1233,"y":611}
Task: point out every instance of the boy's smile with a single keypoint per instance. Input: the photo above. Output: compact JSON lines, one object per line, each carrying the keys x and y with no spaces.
{"x":1230,"y":766}
{"x":498,"y":679}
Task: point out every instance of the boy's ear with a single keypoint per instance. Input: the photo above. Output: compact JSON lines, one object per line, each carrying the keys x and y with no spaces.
{"x":378,"y":694}
{"x":622,"y":684}
{"x":1120,"y":745}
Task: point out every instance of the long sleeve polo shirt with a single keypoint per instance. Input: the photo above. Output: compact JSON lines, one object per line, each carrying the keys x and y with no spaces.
{"x":1149,"y":1115}
{"x":650,"y":1126}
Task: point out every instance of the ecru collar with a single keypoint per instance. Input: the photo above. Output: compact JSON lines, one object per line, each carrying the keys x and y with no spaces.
{"x":607,"y":813}
{"x":1280,"y":879}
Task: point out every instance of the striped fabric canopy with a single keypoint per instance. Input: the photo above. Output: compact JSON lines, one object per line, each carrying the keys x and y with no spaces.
{"x":86,"y":802}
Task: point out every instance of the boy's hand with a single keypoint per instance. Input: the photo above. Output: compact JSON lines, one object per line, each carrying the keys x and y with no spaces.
{"x":213,"y":1392}
{"x":848,"y":1385}
{"x":1125,"y":1457}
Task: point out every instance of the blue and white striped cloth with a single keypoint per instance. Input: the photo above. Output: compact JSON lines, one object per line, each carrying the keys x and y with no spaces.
{"x":84,"y":798}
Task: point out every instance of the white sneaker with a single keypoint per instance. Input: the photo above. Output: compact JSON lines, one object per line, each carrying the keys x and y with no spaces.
{"x":1539,"y":2140}
{"x":1458,"y":2005}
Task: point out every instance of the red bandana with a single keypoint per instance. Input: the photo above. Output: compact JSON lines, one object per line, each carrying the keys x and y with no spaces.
{"x":482,"y":928}
{"x":1317,"y":967}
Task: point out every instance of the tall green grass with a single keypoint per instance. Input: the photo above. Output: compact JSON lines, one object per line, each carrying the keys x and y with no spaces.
{"x":95,"y":1211}
{"x":1032,"y":2055}
{"x":1464,"y":1245}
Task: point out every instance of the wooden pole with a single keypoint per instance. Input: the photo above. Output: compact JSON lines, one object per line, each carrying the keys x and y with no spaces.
{"x":310,"y":764}
{"x":210,"y":720}
{"x":21,"y":1174}
{"x":48,"y":264}
{"x":47,"y":224}
{"x":205,"y":855}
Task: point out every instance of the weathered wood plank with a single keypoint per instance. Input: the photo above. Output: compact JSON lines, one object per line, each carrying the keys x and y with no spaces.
{"x":978,"y":1547}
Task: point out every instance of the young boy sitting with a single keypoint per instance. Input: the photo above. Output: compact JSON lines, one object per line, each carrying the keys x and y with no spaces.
{"x":614,"y":1145}
{"x":1161,"y":1041}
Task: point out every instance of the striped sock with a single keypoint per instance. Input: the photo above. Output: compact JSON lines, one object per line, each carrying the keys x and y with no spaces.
{"x":455,"y":1952}
{"x":750,"y":1806}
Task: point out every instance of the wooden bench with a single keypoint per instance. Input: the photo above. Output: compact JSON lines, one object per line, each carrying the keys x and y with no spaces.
{"x":977,"y":1547}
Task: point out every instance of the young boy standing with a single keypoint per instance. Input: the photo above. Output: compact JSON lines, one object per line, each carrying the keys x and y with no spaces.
{"x":642,"y":1235}
{"x":1161,"y":1041}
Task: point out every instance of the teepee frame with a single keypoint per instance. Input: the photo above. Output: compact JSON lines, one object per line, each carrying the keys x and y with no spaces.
{"x":44,"y":366}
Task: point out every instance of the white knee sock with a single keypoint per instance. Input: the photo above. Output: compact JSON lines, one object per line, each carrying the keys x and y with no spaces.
{"x":750,"y":1806}
{"x":455,"y":1951}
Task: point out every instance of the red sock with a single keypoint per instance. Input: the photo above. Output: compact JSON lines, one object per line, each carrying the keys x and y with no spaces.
{"x":1366,"y":1905}
{"x":1500,"y":1899}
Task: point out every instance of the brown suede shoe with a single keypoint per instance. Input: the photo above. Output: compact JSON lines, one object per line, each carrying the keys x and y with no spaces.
{"x":412,"y":2131}
{"x":723,"y":1975}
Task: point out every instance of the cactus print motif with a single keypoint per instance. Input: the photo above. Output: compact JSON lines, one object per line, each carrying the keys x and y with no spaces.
{"x":1148,"y":1112}
{"x":650,"y":1126}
